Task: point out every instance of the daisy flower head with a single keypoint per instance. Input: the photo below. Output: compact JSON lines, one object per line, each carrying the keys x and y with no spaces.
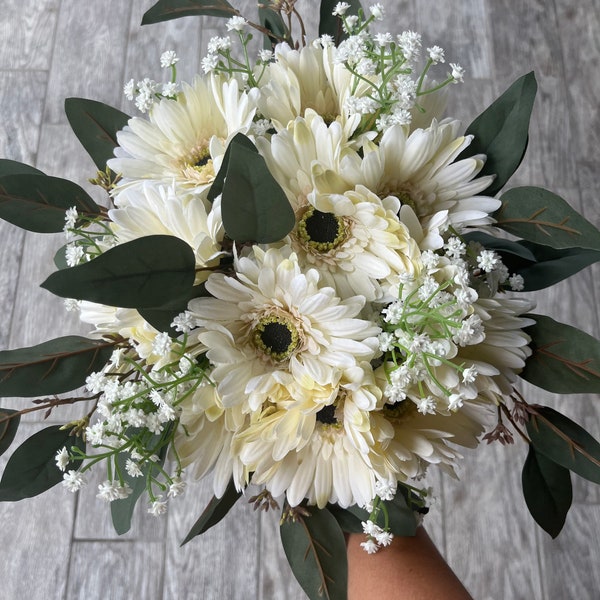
{"x":273,"y":318}
{"x":420,"y":169}
{"x":183,"y":140}
{"x":151,"y":209}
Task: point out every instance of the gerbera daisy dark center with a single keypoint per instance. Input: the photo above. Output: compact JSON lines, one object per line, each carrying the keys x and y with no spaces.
{"x":320,"y":230}
{"x":276,"y":336}
{"x":327,"y":415}
{"x":400,"y":410}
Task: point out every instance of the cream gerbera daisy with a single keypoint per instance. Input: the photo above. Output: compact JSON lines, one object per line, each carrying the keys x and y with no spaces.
{"x":183,"y":140}
{"x":317,"y":450}
{"x":356,"y":241}
{"x":420,"y":169}
{"x":157,"y":210}
{"x":203,"y":439}
{"x":274,"y":318}
{"x":308,"y":79}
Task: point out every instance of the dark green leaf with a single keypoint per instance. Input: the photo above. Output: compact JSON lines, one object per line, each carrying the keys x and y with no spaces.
{"x":564,"y":442}
{"x":215,"y":511}
{"x":253,"y":205}
{"x":9,"y":423}
{"x":501,"y":132}
{"x":53,"y":367}
{"x":271,"y":20}
{"x":217,"y":185}
{"x":500,"y":245}
{"x":165,"y":10}
{"x":60,"y":258}
{"x":542,"y":217}
{"x":121,"y":511}
{"x":316,"y":550}
{"x":32,"y":468}
{"x":144,"y":273}
{"x":551,"y":265}
{"x":565,"y":360}
{"x":347,"y":520}
{"x":161,"y":318}
{"x":330,"y":25}
{"x":12,"y":167}
{"x":548,"y":491}
{"x":38,"y":202}
{"x":96,"y":125}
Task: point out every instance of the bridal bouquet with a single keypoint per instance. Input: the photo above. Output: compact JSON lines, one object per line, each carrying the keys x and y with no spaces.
{"x":305,"y":284}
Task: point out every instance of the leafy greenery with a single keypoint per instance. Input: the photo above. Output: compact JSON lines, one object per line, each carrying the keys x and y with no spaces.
{"x":39,"y":202}
{"x":165,"y":10}
{"x":121,"y":510}
{"x":547,"y":490}
{"x":216,"y":510}
{"x":9,"y":423}
{"x":316,"y":550}
{"x":144,"y":273}
{"x":542,"y":217}
{"x":95,"y":124}
{"x":564,"y":442}
{"x":253,"y":205}
{"x":272,"y":21}
{"x":31,"y":470}
{"x":53,"y":367}
{"x":540,"y":266}
{"x":13,"y":167}
{"x":502,"y":132}
{"x":565,"y":360}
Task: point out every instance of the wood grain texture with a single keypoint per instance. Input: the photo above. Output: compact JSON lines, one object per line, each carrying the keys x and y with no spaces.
{"x":50,"y":50}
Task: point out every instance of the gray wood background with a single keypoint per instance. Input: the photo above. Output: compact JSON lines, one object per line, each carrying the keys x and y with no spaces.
{"x":60,"y":546}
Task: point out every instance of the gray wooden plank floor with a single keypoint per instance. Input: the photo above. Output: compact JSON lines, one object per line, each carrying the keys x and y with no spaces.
{"x":58,"y":546}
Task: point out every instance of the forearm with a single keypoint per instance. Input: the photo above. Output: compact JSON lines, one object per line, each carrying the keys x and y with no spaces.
{"x":410,"y":568}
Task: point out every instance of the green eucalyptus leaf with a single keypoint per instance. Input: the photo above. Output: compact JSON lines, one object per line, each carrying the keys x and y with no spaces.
{"x":271,"y":20}
{"x":347,"y":520}
{"x":547,"y":490}
{"x":60,"y":258}
{"x":144,"y":273}
{"x":9,"y":423}
{"x":316,"y":550}
{"x":565,"y":360}
{"x":216,"y":510}
{"x":121,"y":510}
{"x":13,"y":167}
{"x":95,"y":124}
{"x":32,"y":468}
{"x":53,"y":367}
{"x":500,"y":245}
{"x":550,"y":266}
{"x":332,"y":25}
{"x":39,"y":202}
{"x":165,"y":10}
{"x":564,"y":442}
{"x":253,"y":205}
{"x":539,"y":216}
{"x":501,"y":132}
{"x":217,"y":185}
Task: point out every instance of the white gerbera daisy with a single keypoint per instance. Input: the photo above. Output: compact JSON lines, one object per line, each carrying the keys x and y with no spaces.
{"x":126,"y":322}
{"x":308,"y":79}
{"x":154,"y":210}
{"x":274,"y":318}
{"x":419,"y":169}
{"x":203,"y":439}
{"x":356,"y":241}
{"x":184,"y":139}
